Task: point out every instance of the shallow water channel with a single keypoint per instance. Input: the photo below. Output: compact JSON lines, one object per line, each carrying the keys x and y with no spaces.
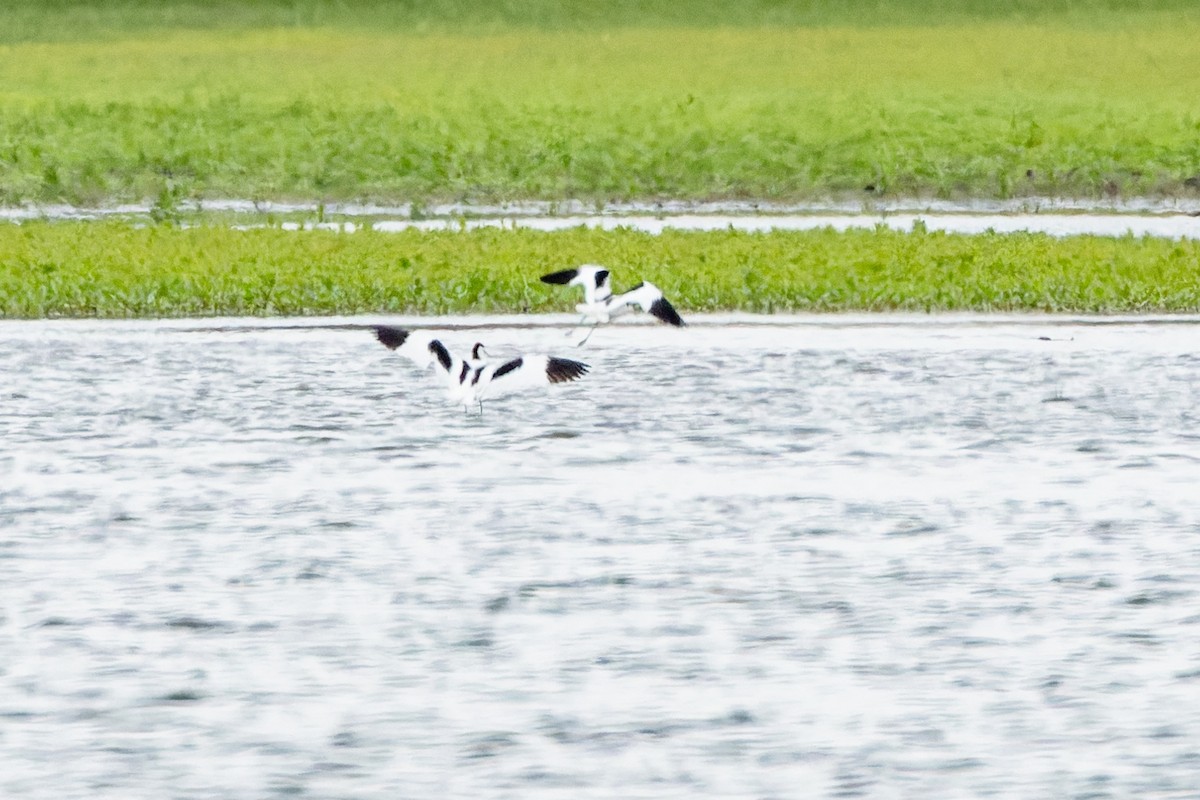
{"x":1173,"y":219}
{"x":933,"y":557}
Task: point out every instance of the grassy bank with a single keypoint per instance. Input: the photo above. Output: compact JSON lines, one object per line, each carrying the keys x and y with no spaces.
{"x":463,"y":100}
{"x":114,"y":269}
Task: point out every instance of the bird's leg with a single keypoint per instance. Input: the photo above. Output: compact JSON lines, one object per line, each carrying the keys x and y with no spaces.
{"x":591,"y":330}
{"x":582,"y":321}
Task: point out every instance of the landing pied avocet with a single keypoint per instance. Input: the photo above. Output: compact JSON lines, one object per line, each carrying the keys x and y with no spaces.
{"x":470,"y":381}
{"x":600,"y":305}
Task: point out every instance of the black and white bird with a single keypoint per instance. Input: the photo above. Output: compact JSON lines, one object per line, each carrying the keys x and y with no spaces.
{"x":600,"y":305}
{"x":470,"y":381}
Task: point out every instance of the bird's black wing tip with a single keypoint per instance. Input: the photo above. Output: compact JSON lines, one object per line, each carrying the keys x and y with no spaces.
{"x":666,"y":312}
{"x":390,"y":337}
{"x":561,"y":370}
{"x":443,"y":355}
{"x":560,"y":277}
{"x":507,"y":367}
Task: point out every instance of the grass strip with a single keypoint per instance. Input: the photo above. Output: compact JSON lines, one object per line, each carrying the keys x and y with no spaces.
{"x":119,"y":269}
{"x":806,"y":102}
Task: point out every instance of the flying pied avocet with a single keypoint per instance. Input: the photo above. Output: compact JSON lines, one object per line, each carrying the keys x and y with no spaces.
{"x":600,"y":305}
{"x":470,"y":381}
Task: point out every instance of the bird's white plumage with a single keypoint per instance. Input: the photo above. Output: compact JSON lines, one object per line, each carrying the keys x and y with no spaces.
{"x":529,"y":372}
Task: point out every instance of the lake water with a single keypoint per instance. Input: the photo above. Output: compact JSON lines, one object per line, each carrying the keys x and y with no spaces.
{"x":876,"y":556}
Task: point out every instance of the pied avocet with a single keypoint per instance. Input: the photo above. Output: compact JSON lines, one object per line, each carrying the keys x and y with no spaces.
{"x":600,"y":305}
{"x":471,"y":381}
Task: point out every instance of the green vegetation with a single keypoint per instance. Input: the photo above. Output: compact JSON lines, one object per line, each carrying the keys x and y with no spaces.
{"x":61,"y":20}
{"x":422,"y":101}
{"x":473,"y":100}
{"x":118,"y":269}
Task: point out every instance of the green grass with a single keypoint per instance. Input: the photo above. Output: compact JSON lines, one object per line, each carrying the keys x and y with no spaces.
{"x":462,"y":100}
{"x":65,"y":20}
{"x":117,"y":269}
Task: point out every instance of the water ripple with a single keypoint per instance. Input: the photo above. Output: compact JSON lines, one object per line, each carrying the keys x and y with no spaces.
{"x":868,"y":557}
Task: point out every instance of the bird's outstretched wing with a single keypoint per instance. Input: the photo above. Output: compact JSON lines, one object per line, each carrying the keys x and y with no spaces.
{"x":390,"y":337}
{"x":649,"y":297}
{"x":562,"y":277}
{"x":564,"y":370}
{"x":529,"y":371}
{"x":592,"y":277}
{"x":417,"y":346}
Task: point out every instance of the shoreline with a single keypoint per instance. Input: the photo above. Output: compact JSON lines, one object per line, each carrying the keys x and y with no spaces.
{"x":939,"y":320}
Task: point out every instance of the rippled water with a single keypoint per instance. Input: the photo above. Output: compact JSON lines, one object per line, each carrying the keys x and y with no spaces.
{"x":847,"y":556}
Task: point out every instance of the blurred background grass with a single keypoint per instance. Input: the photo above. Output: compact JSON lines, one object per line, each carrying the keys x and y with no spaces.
{"x":469,"y":101}
{"x":459,"y":100}
{"x":58,"y":20}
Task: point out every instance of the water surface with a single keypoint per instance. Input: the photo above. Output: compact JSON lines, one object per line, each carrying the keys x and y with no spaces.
{"x":881,"y":556}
